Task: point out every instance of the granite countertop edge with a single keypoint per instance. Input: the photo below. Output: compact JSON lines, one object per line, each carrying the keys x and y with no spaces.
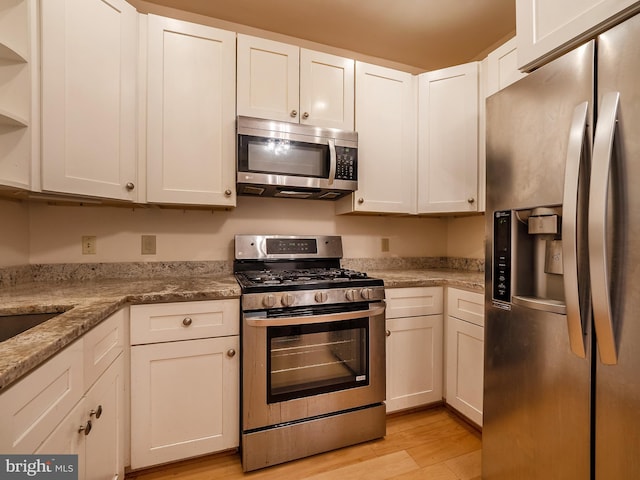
{"x":84,"y":304}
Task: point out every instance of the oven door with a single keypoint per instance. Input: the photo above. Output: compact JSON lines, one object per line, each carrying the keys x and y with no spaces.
{"x":303,"y":363}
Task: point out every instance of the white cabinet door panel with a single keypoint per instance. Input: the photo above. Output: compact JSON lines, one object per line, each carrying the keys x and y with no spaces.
{"x":326,"y":90}
{"x":465,"y":368}
{"x":268,"y":79}
{"x":548,"y":28}
{"x":413,"y":301}
{"x":184,"y":399}
{"x":448,"y":140}
{"x":414,"y":361}
{"x":502,"y":67}
{"x":191,"y":113}
{"x":386,"y":126}
{"x":89,"y":61}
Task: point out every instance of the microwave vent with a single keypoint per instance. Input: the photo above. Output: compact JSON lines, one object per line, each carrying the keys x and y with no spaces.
{"x":251,"y":190}
{"x":331,"y":195}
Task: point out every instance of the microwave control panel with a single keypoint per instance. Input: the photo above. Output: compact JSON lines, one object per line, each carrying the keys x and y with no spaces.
{"x":346,"y":163}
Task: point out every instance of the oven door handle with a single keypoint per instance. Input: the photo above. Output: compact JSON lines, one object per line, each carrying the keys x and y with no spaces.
{"x":378,"y":309}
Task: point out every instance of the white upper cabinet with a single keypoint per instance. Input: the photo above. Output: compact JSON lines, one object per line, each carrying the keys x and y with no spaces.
{"x":448,"y":140}
{"x":89,"y":61}
{"x":386,"y":125}
{"x":502,"y":67}
{"x":548,"y":28}
{"x":326,"y":90}
{"x":190,"y":113}
{"x":283,"y":82}
{"x":16,"y":67}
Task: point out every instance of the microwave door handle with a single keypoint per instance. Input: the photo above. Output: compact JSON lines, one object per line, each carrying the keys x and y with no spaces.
{"x":332,"y":160}
{"x":603,"y":150}
{"x":575,"y":311}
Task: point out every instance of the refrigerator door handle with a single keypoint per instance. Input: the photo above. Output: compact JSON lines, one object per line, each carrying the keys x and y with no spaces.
{"x":603,"y":150}
{"x":574,"y":164}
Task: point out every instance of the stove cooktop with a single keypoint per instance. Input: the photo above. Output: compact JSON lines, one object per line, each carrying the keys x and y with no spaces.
{"x":253,"y":281}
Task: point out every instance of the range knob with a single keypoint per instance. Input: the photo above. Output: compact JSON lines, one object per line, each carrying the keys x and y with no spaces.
{"x":366,"y":293}
{"x":351,"y":295}
{"x":269,"y":301}
{"x":288,"y":299}
{"x":321,"y":297}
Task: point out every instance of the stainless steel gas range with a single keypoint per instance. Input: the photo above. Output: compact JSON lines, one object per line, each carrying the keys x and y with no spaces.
{"x":313,"y":349}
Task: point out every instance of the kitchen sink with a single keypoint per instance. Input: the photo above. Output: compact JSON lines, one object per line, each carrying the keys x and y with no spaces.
{"x":12,"y":325}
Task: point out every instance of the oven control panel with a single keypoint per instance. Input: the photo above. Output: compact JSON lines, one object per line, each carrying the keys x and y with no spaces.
{"x":261,"y":301}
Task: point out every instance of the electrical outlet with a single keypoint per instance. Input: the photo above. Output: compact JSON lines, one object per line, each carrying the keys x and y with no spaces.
{"x":148,"y":245}
{"x":384,"y":244}
{"x":89,"y":244}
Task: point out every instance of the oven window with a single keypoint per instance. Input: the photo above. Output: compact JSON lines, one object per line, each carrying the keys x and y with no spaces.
{"x":272,"y":155}
{"x":304,"y":360}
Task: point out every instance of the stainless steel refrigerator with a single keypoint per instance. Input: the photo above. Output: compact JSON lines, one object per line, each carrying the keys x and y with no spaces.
{"x":562,"y":335}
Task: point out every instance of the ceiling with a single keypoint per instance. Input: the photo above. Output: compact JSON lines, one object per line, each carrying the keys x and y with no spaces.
{"x":428,"y":34}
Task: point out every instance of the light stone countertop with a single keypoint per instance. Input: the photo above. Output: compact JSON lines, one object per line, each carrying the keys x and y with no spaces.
{"x":86,"y":303}
{"x":430,"y":278}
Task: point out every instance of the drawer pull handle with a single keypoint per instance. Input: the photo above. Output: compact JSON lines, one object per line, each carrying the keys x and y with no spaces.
{"x":231,"y":353}
{"x":97,"y":412}
{"x":388,"y":333}
{"x":187,"y":321}
{"x":85,"y":428}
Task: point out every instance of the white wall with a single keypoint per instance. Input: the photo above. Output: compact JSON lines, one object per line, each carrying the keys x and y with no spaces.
{"x":466,"y":237}
{"x":40,"y":233}
{"x":56,"y":231}
{"x":14,"y":233}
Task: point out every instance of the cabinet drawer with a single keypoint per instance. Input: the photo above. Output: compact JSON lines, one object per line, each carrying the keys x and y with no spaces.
{"x":414,"y":301}
{"x":103,"y":344}
{"x":466,"y":305}
{"x":166,"y":322}
{"x":32,"y":408}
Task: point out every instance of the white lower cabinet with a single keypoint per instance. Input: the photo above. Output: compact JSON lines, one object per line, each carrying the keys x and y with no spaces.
{"x":465,"y":353}
{"x":414,"y":347}
{"x":74,"y":404}
{"x":93,"y":429}
{"x":185,"y":391}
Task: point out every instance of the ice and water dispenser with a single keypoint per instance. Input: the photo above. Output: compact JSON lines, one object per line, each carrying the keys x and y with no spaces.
{"x":527,"y":258}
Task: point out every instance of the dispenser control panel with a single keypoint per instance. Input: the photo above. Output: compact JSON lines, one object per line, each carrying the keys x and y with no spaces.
{"x":502,"y":256}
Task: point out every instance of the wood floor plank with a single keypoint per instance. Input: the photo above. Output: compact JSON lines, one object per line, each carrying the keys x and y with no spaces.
{"x":380,"y":468}
{"x":466,"y":467}
{"x":432,"y":472}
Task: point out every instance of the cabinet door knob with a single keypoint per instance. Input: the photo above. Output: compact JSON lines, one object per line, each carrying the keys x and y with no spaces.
{"x":388,"y":333}
{"x":361,"y":200}
{"x":227,"y":192}
{"x":97,"y":412}
{"x":471,"y":200}
{"x":85,"y":428}
{"x":187,"y":321}
{"x":130,"y":186}
{"x":231,"y":353}
{"x":305,"y":115}
{"x":294,"y":113}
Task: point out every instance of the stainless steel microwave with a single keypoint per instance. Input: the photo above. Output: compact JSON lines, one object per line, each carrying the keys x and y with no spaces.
{"x":281,"y":159}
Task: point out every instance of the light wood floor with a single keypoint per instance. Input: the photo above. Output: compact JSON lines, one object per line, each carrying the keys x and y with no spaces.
{"x":430,"y":444}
